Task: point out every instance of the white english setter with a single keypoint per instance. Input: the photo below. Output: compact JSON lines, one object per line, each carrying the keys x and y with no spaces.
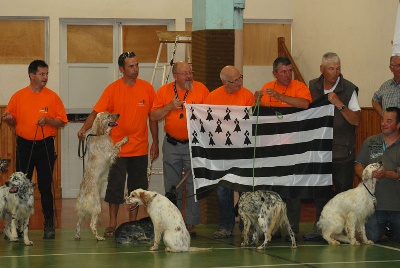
{"x":167,"y":220}
{"x":16,"y":206}
{"x":266,"y":212}
{"x":101,"y":153}
{"x":345,"y":215}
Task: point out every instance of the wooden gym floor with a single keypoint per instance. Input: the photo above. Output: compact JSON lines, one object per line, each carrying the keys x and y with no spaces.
{"x":65,"y":251}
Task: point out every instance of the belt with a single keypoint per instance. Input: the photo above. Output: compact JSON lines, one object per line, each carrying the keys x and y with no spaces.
{"x":38,"y":142}
{"x":174,"y":141}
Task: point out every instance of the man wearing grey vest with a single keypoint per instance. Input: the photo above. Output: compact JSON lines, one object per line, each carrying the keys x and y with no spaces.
{"x":343,"y":94}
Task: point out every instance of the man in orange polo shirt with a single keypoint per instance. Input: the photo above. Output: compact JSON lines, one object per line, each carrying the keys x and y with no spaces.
{"x":31,"y":107}
{"x":132,"y":98}
{"x":286,"y":92}
{"x":168,"y":105}
{"x":231,"y":92}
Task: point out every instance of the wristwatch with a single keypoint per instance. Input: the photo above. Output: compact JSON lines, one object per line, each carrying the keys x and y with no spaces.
{"x":342,"y":108}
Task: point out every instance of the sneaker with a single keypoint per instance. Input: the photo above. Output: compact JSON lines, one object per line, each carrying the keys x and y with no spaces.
{"x":49,"y":232}
{"x":222,"y":233}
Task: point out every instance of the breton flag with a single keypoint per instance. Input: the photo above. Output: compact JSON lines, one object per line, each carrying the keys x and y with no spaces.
{"x":396,"y":38}
{"x":287,"y":150}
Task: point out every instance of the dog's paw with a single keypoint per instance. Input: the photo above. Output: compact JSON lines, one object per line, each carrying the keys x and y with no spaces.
{"x":99,"y":238}
{"x":153,"y":248}
{"x":355,"y":243}
{"x":125,"y":140}
{"x":334,"y":243}
{"x":369,"y":242}
{"x":28,"y":243}
{"x":262,"y":247}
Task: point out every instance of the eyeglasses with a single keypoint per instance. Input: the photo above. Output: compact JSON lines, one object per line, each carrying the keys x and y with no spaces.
{"x":395,"y":65}
{"x":236,"y":80}
{"x":189,"y":73}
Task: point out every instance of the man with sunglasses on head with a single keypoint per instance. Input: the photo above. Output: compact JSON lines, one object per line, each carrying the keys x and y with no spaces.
{"x":37,"y":112}
{"x":231,"y":92}
{"x":388,"y":94}
{"x":132,"y":98}
{"x":168,"y":105}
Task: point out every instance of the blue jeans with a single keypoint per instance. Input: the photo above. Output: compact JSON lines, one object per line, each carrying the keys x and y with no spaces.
{"x":226,"y":209}
{"x":377,"y":223}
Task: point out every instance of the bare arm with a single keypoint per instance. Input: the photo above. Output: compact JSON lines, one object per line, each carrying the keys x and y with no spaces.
{"x":160,"y":113}
{"x":293,"y":101}
{"x":9,"y":119}
{"x":377,"y":107}
{"x":154,"y":149}
{"x":87,"y":125}
{"x":353,"y":117}
{"x":358,"y":170}
{"x":51,"y":121}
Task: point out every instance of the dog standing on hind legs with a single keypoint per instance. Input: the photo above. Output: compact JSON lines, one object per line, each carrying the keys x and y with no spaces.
{"x":101,"y":153}
{"x":266,"y":212}
{"x":349,"y":211}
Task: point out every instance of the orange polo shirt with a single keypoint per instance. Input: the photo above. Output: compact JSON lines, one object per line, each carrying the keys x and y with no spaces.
{"x":133,"y":103}
{"x":295,"y":89}
{"x":242,"y":97}
{"x":174,"y":124}
{"x":27,"y":107}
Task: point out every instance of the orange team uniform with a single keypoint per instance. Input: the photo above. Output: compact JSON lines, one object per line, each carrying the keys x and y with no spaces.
{"x":29,"y":106}
{"x":174,"y":124}
{"x":295,"y":89}
{"x":242,"y":97}
{"x":133,"y":103}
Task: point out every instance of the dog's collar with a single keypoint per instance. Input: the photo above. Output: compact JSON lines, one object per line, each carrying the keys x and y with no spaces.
{"x":373,"y":196}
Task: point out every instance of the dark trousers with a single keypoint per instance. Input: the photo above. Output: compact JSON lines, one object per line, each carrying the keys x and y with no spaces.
{"x":42,"y":158}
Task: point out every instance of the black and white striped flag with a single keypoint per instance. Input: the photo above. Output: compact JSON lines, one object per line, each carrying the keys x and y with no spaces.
{"x":287,"y":150}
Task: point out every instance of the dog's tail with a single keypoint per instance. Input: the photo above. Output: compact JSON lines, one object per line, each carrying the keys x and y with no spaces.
{"x":198,"y":249}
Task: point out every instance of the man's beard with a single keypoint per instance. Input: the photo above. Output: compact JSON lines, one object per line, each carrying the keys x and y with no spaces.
{"x":188,"y":85}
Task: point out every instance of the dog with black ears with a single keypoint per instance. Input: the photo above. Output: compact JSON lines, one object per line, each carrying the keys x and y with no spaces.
{"x":16,"y":206}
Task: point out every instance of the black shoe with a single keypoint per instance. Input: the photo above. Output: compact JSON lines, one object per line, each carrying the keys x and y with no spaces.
{"x":49,"y":232}
{"x":313,"y":236}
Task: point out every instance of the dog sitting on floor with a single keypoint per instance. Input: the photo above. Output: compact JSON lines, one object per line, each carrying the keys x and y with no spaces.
{"x":135,"y":232}
{"x":167,"y":220}
{"x":348,"y":211}
{"x":16,"y":206}
{"x":266,"y":212}
{"x":101,"y":153}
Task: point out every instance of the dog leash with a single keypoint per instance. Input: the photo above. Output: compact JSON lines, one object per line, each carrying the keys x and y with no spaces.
{"x":183,"y":179}
{"x":83,"y":147}
{"x":373,"y":196}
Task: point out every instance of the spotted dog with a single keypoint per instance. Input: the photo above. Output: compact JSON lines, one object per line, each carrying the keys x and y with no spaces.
{"x":266,"y":212}
{"x":345,"y":215}
{"x":101,"y":153}
{"x":16,"y":206}
{"x":166,"y":218}
{"x":4,"y":163}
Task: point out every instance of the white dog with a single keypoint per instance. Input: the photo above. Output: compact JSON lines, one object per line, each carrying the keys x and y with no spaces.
{"x":166,"y":218}
{"x":266,"y":212}
{"x":16,"y":206}
{"x":348,"y":211}
{"x":101,"y":153}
